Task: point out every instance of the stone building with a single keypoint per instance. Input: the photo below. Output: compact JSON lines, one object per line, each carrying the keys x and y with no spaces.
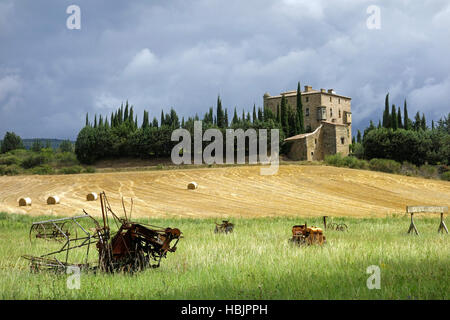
{"x":327,"y":119}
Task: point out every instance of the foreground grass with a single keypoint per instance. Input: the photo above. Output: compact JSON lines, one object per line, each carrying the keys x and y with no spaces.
{"x":255,"y":262}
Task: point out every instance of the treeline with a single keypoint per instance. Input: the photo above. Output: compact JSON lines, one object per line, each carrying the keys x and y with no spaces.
{"x":120,"y":134}
{"x":399,"y":138}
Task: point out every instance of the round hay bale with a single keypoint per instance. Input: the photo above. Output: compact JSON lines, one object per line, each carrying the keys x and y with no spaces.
{"x":53,"y":200}
{"x":23,"y":202}
{"x":192,"y":185}
{"x":91,"y":196}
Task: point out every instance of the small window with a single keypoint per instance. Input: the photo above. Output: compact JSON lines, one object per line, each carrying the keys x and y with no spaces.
{"x":342,"y":140}
{"x":307,"y":112}
{"x":315,"y":141}
{"x":312,"y":153}
{"x":339,"y":100}
{"x":330,"y":99}
{"x":331,"y":113}
{"x":307,"y":99}
{"x":339,"y":113}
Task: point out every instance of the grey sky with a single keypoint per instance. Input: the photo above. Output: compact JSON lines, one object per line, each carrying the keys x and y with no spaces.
{"x":182,"y":54}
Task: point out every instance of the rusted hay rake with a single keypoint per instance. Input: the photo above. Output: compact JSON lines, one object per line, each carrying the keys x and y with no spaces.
{"x":304,"y":235}
{"x":131,"y":248}
{"x":334,"y":225}
{"x":224,"y":227}
{"x":337,"y":226}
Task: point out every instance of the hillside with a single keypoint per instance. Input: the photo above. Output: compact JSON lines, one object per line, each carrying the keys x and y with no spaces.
{"x":231,"y":191}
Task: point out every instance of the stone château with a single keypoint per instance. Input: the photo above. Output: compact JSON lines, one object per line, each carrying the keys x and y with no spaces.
{"x":327,"y":119}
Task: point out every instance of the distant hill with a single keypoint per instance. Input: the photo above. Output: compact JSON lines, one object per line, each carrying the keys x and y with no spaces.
{"x":54,"y":143}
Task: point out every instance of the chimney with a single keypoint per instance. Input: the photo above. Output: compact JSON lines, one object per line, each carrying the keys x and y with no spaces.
{"x":322,"y":90}
{"x":331,"y":91}
{"x":308,"y":88}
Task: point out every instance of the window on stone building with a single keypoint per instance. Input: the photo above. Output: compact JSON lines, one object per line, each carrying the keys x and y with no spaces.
{"x":342,"y":140}
{"x":339,"y":100}
{"x":330,"y":99}
{"x":315,"y":141}
{"x":331,"y":113}
{"x":312,"y":153}
{"x":339,"y":113}
{"x":307,"y":112}
{"x":307,"y":99}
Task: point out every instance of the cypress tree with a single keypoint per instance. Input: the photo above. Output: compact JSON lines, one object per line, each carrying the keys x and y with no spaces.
{"x":432,"y":124}
{"x":145,"y":121}
{"x":95,"y":121}
{"x":358,"y":136}
{"x":278,"y":114}
{"x":87,"y":119}
{"x":417,"y":121}
{"x":125,"y":115}
{"x":254,"y":114}
{"x":260,"y":115}
{"x":399,"y":119}
{"x":393,"y":121}
{"x":301,"y":120}
{"x":379,"y":124}
{"x":235,"y":117}
{"x":155,"y":122}
{"x":284,"y":115}
{"x":386,"y":116}
{"x":220,"y":115}
{"x":423,"y":123}
{"x":162,"y":119}
{"x":226,"y":118}
{"x":243,"y":116}
{"x":406,"y":121}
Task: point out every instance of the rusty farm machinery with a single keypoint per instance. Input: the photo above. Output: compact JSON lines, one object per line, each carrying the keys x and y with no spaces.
{"x":304,"y":235}
{"x":224,"y":227}
{"x":129,"y":247}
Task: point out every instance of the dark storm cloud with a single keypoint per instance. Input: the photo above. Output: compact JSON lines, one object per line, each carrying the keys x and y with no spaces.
{"x":182,"y":54}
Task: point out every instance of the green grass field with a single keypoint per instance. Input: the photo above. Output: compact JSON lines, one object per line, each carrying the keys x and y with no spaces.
{"x":254,"y":262}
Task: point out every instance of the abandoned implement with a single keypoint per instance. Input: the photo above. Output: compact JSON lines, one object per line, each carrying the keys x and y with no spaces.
{"x":302,"y":234}
{"x":224,"y":227}
{"x":133,"y":247}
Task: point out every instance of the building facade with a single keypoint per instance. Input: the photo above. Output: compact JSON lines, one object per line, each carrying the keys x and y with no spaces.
{"x":327,"y":119}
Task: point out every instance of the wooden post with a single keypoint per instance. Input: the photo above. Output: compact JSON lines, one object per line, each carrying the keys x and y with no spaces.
{"x":442,"y":225}
{"x":412,"y":226}
{"x":325,"y":222}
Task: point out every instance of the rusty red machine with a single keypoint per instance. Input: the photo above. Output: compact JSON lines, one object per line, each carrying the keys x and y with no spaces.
{"x":131,"y":247}
{"x":224,"y":227}
{"x":304,"y":235}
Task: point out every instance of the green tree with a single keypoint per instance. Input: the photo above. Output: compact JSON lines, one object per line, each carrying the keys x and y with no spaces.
{"x":394,"y":121}
{"x":37,"y":145}
{"x":399,"y":119}
{"x":358,"y":137}
{"x":11,"y":141}
{"x":301,"y":120}
{"x":386,"y":115}
{"x":66,"y":146}
{"x":406,"y":120}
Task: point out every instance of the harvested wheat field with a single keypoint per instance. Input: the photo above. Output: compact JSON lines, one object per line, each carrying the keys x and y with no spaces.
{"x":228,"y":192}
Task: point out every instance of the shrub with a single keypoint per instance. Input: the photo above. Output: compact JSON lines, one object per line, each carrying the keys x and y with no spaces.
{"x":384,"y":165}
{"x":334,"y":160}
{"x":409,"y":169}
{"x":34,"y":160}
{"x":66,"y":159}
{"x":71,"y":170}
{"x":9,"y":160}
{"x":11,"y":170}
{"x":44,"y":169}
{"x":446,"y":176}
{"x":429,"y":171}
{"x":89,"y":170}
